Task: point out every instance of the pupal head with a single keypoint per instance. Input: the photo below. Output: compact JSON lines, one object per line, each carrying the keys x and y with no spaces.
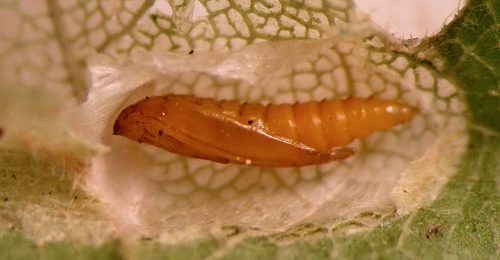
{"x":142,"y":120}
{"x":129,"y":124}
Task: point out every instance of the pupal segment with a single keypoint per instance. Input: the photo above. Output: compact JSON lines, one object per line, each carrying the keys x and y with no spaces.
{"x":286,"y":135}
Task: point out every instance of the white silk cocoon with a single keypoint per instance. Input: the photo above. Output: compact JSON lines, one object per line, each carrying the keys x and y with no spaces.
{"x":152,"y":190}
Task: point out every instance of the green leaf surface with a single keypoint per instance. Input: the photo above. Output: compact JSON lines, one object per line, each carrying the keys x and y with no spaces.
{"x":15,"y":245}
{"x":462,"y":223}
{"x":469,"y":49}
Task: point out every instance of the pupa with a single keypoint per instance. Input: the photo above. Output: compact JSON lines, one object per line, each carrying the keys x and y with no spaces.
{"x":284,"y":135}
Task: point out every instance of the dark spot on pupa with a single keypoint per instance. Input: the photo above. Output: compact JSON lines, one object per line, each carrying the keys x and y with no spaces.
{"x":250,"y":122}
{"x":147,"y":97}
{"x":191,"y":52}
{"x":6,"y":199}
{"x":160,"y":133}
{"x":146,"y":238}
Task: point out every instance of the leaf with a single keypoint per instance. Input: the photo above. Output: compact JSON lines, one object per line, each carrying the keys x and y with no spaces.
{"x":460,"y":223}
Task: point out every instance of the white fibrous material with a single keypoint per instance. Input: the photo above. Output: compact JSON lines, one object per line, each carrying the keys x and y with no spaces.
{"x":151,"y":190}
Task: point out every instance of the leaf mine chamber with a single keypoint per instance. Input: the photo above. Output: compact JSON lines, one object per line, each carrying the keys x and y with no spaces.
{"x":153,"y":190}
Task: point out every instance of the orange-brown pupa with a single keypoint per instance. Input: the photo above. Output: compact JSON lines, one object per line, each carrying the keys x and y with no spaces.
{"x":286,"y":135}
